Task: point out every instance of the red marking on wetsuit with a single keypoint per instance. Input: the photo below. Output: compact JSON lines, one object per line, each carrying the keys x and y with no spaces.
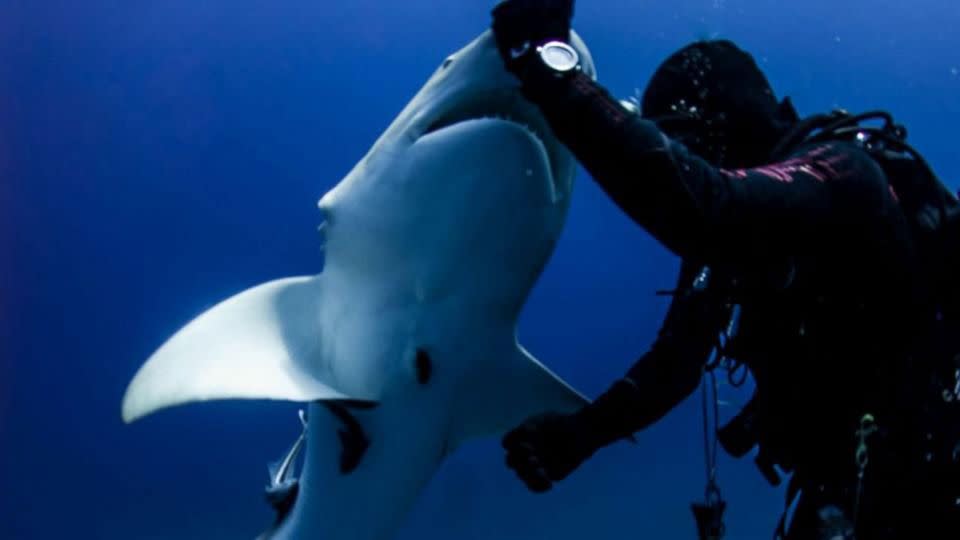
{"x":584,"y":85}
{"x":736,"y":173}
{"x":893,"y":193}
{"x":813,"y":164}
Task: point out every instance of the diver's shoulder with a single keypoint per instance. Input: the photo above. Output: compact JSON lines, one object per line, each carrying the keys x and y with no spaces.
{"x":841,"y":160}
{"x":847,"y":149}
{"x":849,"y":169}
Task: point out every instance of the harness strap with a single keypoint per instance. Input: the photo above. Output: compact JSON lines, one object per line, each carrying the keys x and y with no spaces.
{"x":793,"y":491}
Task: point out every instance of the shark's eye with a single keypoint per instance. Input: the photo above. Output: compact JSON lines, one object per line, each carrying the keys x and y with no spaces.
{"x":446,"y":63}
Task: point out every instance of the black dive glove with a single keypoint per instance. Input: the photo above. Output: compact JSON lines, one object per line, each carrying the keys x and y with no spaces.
{"x":523,"y":24}
{"x":547,"y":448}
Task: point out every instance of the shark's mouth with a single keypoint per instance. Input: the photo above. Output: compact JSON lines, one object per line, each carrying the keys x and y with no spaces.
{"x":506,"y":106}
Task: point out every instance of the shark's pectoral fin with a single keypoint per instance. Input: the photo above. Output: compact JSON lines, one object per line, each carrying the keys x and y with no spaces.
{"x":263,"y":343}
{"x":535,"y":389}
{"x":522,"y":387}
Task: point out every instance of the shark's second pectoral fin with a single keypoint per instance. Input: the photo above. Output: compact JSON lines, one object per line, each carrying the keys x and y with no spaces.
{"x":520,"y":387}
{"x":263,"y":343}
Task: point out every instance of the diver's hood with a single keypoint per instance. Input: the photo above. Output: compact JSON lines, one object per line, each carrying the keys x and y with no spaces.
{"x":712,"y":97}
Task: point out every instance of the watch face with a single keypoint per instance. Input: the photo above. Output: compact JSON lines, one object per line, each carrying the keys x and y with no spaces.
{"x":559,"y":56}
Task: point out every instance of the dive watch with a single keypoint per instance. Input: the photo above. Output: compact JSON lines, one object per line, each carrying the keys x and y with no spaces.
{"x":560,"y":57}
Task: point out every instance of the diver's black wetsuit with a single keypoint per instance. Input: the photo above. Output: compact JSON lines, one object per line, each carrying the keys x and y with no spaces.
{"x":817,"y":251}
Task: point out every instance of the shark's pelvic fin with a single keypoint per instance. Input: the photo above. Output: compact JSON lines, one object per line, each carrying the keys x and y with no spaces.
{"x":263,"y":343}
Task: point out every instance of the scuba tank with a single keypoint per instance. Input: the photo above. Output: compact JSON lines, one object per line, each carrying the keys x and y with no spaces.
{"x":933,"y":214}
{"x":930,"y":205}
{"x":932,"y":210}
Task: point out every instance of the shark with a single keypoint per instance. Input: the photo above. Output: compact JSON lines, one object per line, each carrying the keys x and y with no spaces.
{"x":405,"y":345}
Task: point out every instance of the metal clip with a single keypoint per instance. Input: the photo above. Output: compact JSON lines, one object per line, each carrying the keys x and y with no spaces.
{"x":952,"y":394}
{"x":709,"y":515}
{"x":868,"y":426}
{"x":702,"y":280}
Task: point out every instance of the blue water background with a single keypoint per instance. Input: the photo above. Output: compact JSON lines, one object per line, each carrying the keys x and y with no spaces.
{"x":157,"y":157}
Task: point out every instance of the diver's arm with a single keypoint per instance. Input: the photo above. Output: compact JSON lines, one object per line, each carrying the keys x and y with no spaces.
{"x":698,"y":210}
{"x":667,"y":373}
{"x":628,"y":157}
{"x":548,"y":447}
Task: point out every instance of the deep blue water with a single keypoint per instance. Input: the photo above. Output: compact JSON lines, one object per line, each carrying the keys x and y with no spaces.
{"x":156,"y":157}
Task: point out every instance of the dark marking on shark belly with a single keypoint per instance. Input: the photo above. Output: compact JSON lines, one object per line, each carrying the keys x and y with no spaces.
{"x":424,"y":366}
{"x":353,"y":440}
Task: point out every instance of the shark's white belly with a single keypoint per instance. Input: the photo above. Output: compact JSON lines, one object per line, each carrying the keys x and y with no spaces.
{"x":406,"y":447}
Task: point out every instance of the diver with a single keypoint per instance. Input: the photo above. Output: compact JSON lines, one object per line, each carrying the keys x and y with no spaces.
{"x":817,"y":252}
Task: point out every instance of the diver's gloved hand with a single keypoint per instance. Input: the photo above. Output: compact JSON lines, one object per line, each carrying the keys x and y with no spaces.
{"x":548,"y":447}
{"x":520,"y":25}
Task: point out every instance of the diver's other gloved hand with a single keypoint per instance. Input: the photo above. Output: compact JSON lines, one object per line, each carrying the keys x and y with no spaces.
{"x":548,"y":447}
{"x":520,"y":24}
